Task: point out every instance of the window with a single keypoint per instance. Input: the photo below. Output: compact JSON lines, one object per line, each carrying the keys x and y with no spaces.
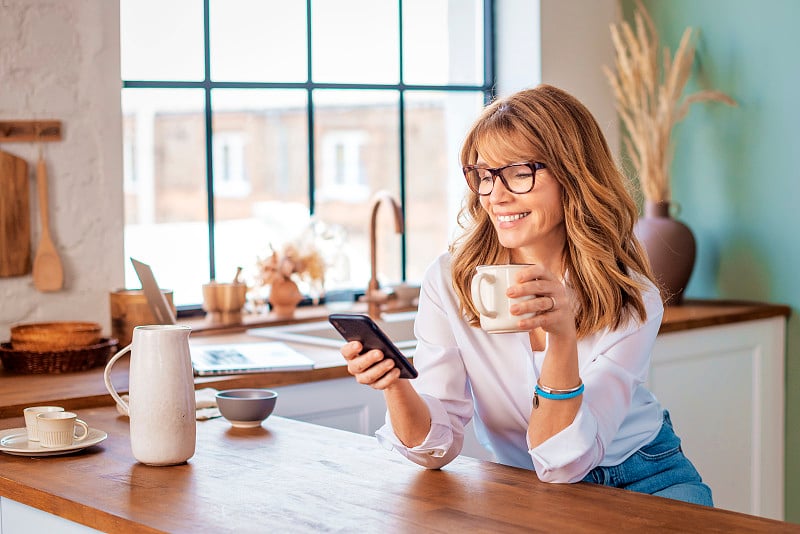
{"x":228,"y":160}
{"x":343,"y":168}
{"x":244,"y":120}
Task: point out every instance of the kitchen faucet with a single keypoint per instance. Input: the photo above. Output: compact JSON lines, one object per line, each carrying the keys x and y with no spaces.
{"x":374,"y":297}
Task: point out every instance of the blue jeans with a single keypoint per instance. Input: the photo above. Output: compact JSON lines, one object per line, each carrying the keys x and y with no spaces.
{"x":659,"y":468}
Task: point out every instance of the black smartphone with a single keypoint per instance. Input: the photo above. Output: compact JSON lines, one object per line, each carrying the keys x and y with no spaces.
{"x":355,"y":327}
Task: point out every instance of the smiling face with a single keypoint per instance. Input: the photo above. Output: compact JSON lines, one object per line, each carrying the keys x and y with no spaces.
{"x":531,"y":224}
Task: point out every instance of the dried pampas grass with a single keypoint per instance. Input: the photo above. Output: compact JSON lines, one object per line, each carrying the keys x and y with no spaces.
{"x":649,"y":100}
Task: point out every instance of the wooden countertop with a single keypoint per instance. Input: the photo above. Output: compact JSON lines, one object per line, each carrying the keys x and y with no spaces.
{"x":701,"y":313}
{"x":290,"y":476}
{"x":86,"y":389}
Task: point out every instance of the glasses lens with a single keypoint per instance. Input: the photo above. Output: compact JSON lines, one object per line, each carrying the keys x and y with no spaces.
{"x":518,"y":178}
{"x":480,"y":181}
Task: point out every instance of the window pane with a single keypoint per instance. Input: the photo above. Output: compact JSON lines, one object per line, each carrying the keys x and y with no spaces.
{"x":166,"y":219}
{"x":161,"y":40}
{"x":357,"y":154}
{"x":258,"y":41}
{"x":355,"y":41}
{"x":436,"y":123}
{"x":443,"y":42}
{"x":260,"y":149}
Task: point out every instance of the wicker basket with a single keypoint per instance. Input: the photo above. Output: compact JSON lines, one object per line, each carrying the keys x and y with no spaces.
{"x":58,"y":361}
{"x":56,"y":336}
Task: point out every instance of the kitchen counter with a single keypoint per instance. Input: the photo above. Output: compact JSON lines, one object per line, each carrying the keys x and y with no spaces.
{"x":289,"y":476}
{"x":86,"y":389}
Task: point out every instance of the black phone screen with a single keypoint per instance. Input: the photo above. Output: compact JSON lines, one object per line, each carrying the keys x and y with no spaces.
{"x":355,"y":327}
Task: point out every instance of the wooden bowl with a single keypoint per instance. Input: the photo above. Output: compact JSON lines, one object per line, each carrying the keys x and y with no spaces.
{"x":54,"y":336}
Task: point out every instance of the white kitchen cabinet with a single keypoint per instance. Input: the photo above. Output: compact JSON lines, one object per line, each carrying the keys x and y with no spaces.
{"x":17,"y":518}
{"x":340,"y":403}
{"x":724,"y":389}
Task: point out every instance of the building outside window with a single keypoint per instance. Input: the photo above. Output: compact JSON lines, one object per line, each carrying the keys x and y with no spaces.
{"x":344,"y":175}
{"x":244,"y":120}
{"x":230,"y":179}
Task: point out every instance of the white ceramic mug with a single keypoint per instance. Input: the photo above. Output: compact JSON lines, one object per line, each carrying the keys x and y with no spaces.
{"x":60,"y":429}
{"x":489,"y":286}
{"x":31,"y":424}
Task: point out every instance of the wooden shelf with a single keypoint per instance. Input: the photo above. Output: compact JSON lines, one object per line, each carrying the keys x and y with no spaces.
{"x":29,"y":131}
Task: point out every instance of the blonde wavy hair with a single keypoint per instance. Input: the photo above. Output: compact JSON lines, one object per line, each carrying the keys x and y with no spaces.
{"x":601,"y":253}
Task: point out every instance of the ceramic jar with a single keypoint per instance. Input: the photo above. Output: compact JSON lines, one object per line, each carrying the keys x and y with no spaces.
{"x":670,"y":245}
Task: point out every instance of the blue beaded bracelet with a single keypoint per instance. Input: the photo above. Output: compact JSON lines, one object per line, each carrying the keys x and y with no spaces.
{"x":551,"y":395}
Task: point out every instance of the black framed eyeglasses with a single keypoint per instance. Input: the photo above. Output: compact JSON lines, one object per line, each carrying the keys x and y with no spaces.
{"x":516,"y":177}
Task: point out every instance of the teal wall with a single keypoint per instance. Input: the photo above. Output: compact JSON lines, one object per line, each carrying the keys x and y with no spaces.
{"x":736,"y":172}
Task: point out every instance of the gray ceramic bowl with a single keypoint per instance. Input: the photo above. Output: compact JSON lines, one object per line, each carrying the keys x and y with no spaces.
{"x":246,"y":408}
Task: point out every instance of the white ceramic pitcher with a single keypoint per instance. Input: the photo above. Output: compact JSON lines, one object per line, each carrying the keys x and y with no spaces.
{"x":161,"y":403}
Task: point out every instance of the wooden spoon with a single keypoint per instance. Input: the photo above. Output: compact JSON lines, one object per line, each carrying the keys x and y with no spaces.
{"x":48,"y":273}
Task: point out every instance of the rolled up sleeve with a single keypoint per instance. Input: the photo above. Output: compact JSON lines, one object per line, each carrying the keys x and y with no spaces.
{"x":432,"y":453}
{"x":556,"y":463}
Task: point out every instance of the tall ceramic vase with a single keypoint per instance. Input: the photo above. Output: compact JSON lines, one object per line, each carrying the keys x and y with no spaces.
{"x":670,"y":246}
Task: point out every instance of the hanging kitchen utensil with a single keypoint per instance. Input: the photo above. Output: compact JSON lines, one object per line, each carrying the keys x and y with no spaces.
{"x":15,"y":220}
{"x":48,"y":273}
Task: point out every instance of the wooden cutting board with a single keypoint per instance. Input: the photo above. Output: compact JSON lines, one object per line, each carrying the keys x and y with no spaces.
{"x":15,"y":221}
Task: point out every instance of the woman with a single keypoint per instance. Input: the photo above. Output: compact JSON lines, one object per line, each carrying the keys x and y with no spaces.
{"x":544,"y":191}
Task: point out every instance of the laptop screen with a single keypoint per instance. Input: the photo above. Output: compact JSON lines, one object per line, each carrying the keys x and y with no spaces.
{"x":158,"y":304}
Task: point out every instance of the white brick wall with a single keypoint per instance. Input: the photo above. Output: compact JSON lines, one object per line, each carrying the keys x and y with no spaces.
{"x":59,"y":59}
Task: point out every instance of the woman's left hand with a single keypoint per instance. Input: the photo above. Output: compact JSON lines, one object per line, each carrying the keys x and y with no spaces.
{"x":552,"y":303}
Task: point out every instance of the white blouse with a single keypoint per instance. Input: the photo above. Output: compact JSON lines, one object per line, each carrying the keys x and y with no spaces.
{"x":467,"y":374}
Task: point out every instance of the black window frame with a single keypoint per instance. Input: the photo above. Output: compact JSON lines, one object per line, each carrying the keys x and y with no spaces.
{"x":207,"y":85}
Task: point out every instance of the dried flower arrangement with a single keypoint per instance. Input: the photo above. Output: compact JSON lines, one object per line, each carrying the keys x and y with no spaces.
{"x":304,"y":262}
{"x":307,"y":258}
{"x":649,"y":100}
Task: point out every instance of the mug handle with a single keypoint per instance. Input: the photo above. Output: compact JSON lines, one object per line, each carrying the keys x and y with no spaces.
{"x":82,"y":424}
{"x":476,"y":294}
{"x":110,"y":387}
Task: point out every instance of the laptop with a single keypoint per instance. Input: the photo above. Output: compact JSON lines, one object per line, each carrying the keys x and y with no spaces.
{"x":224,"y":359}
{"x":259,"y":357}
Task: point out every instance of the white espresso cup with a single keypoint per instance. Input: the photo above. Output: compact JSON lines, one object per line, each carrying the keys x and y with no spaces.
{"x":489,"y":286}
{"x":31,"y":425}
{"x":60,"y":429}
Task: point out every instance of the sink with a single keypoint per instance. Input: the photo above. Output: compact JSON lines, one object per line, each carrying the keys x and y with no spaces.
{"x":398,"y":326}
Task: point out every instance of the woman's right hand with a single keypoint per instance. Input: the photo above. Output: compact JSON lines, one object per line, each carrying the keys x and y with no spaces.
{"x":409,"y":414}
{"x":370,"y":368}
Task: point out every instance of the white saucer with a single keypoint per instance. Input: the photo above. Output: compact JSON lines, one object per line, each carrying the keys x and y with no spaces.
{"x":15,"y":441}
